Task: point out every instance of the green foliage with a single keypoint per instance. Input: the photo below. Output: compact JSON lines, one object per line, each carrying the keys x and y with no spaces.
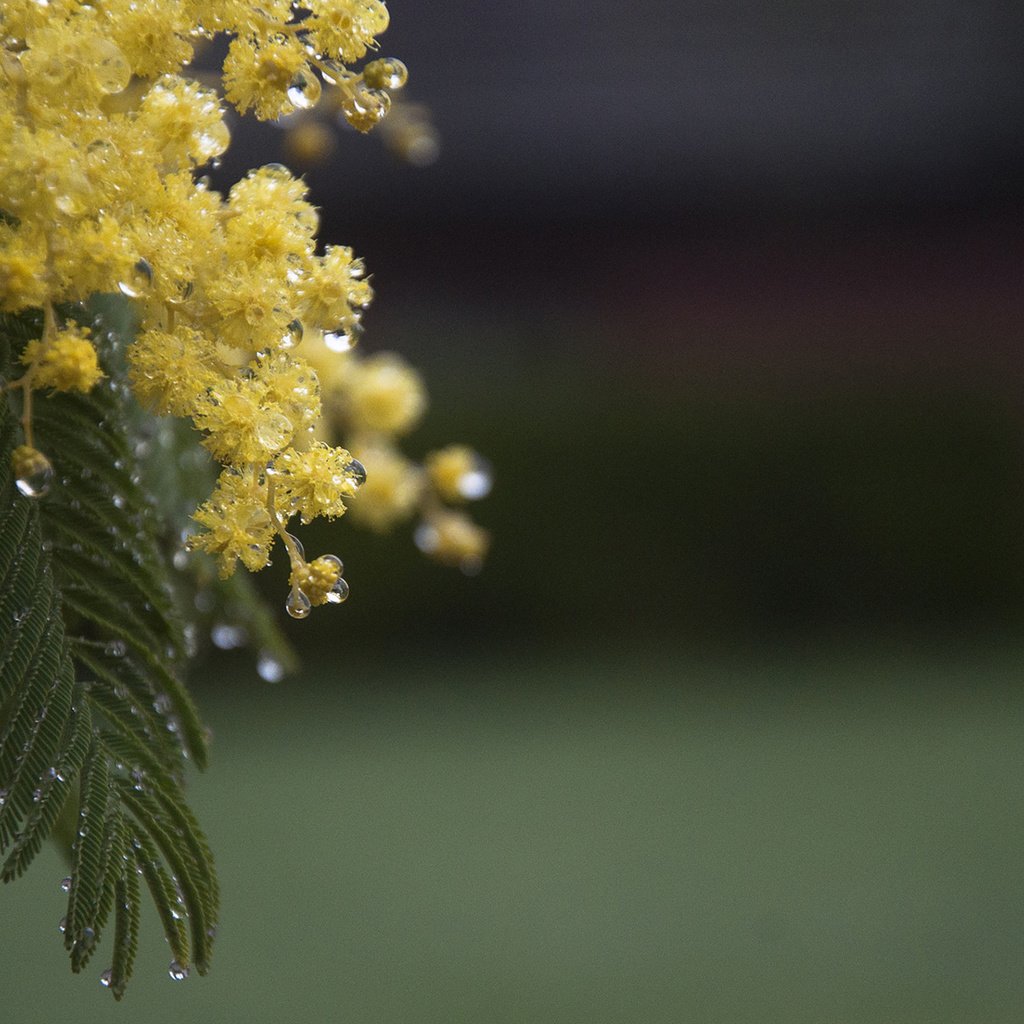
{"x":94,"y":716}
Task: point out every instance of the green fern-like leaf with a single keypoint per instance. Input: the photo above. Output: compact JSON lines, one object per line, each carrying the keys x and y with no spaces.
{"x":93,"y":711}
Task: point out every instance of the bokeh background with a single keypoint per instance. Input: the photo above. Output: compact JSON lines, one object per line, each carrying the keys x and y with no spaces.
{"x":731,"y":728}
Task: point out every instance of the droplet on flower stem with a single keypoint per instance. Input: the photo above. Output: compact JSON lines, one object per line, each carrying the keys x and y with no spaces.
{"x":297,"y":605}
{"x":339,"y":592}
{"x":304,"y":89}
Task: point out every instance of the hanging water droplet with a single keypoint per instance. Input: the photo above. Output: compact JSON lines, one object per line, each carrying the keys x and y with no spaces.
{"x":334,"y":561}
{"x":107,"y":977}
{"x":297,"y":605}
{"x":177,"y":971}
{"x":180,"y":559}
{"x":269,"y":668}
{"x":65,"y":884}
{"x":33,"y":473}
{"x":387,"y":73}
{"x":62,"y":925}
{"x":357,"y":472}
{"x":339,"y":592}
{"x":227,"y":637}
{"x":116,"y":649}
{"x":298,"y":545}
{"x":364,"y":108}
{"x":138,"y":281}
{"x":304,"y":89}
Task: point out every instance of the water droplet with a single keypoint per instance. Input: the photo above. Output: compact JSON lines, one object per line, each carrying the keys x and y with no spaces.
{"x":387,"y":73}
{"x":116,"y":649}
{"x":357,"y":472}
{"x":338,"y":593}
{"x":334,"y":561}
{"x":62,"y":925}
{"x":269,"y":668}
{"x":292,"y":336}
{"x":109,"y":66}
{"x":177,"y":971}
{"x":65,"y":884}
{"x":340,"y":340}
{"x":273,"y":431}
{"x":118,"y":501}
{"x":32,"y":471}
{"x":138,"y":281}
{"x":298,"y":545}
{"x":304,"y":89}
{"x":365,"y":107}
{"x":37,"y":795}
{"x":297,"y":605}
{"x":180,"y":559}
{"x":107,"y":977}
{"x":477,"y":482}
{"x":227,"y":637}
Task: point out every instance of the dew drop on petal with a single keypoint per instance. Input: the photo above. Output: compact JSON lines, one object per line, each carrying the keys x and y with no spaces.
{"x":138,"y":281}
{"x":273,"y":431}
{"x":357,"y":472}
{"x":292,"y":336}
{"x":340,"y":340}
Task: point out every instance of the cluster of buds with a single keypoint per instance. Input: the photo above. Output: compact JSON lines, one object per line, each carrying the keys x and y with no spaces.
{"x":243,"y":327}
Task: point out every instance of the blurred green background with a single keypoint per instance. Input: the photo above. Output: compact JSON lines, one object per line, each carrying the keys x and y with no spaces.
{"x":730,"y":727}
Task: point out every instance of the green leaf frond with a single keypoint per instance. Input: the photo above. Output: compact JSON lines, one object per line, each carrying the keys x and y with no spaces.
{"x":94,"y":715}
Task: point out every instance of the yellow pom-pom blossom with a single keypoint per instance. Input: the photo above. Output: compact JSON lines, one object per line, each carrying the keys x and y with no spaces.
{"x":392,"y":491}
{"x":383,"y":394}
{"x":67,"y":362}
{"x":241,"y":324}
{"x":458,"y":473}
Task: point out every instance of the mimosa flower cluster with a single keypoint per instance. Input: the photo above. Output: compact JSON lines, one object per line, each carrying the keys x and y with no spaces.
{"x":244,"y":325}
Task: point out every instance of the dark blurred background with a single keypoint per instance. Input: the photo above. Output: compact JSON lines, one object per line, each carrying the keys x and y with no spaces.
{"x":730,"y":727}
{"x":730,"y":294}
